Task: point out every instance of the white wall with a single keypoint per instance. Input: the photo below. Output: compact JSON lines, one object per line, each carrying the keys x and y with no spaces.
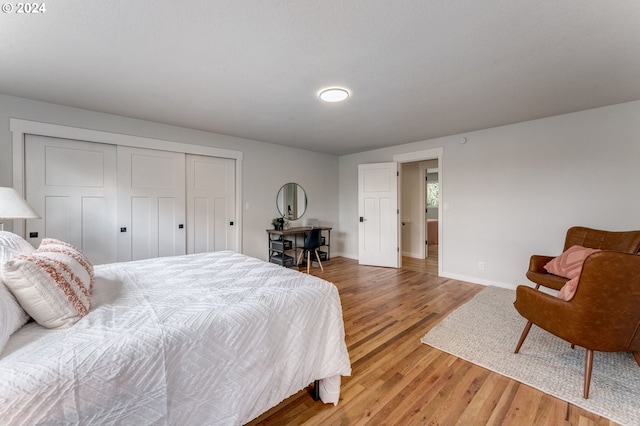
{"x":266,"y":167}
{"x":512,"y":191}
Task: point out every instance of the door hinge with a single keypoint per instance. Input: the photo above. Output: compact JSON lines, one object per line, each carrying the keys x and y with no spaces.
{"x":397,"y":173}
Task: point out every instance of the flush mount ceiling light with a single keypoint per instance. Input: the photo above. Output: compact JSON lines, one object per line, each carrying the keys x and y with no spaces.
{"x":335,"y":94}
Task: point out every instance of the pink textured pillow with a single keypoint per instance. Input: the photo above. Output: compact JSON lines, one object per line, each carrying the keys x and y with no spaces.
{"x":53,"y":284}
{"x":52,"y":245}
{"x":569,"y":263}
{"x":568,"y":290}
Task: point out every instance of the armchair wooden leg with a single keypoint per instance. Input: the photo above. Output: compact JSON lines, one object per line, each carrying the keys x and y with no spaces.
{"x":318,"y":259}
{"x":537,"y":286}
{"x":636,"y":356}
{"x":308,"y":260}
{"x":300,"y":257}
{"x":588,"y":365}
{"x":523,"y":336}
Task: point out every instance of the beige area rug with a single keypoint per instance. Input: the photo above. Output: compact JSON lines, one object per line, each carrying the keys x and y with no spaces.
{"x":485,"y":331}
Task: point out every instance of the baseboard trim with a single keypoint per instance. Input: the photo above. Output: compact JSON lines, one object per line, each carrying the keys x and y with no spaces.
{"x":476,"y":280}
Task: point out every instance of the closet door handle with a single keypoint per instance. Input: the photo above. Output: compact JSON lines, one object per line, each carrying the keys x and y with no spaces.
{"x":181,"y":226}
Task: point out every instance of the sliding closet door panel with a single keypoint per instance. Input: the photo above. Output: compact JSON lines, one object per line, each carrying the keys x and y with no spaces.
{"x":59,"y":218}
{"x":94,"y":214}
{"x":222,"y":231}
{"x":198,"y":242}
{"x":168,"y":217}
{"x":210,"y":203}
{"x":142,"y":238}
{"x":151,"y":203}
{"x":72,"y":185}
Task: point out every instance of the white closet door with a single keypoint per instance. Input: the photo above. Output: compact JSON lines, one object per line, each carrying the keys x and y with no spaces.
{"x":210,"y":204}
{"x":151,"y":203}
{"x":72,"y":185}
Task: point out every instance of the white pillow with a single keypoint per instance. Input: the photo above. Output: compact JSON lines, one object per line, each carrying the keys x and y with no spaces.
{"x":12,"y":316}
{"x":53,"y":284}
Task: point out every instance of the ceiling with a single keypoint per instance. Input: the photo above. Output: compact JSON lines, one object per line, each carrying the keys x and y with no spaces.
{"x":416,"y":69}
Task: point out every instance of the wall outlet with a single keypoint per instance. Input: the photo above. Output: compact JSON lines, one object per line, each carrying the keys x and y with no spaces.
{"x":481,"y":266}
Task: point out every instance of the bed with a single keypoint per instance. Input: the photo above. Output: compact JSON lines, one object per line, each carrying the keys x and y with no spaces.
{"x":212,"y":338}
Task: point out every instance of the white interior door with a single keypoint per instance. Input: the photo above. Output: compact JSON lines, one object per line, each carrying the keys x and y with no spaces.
{"x":72,"y":185}
{"x":378,"y":211}
{"x":211,"y":204}
{"x":151,"y":203}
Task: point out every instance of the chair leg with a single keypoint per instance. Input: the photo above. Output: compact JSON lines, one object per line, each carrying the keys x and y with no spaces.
{"x":318,"y":259}
{"x":308,"y":260}
{"x":537,"y":286}
{"x":588,"y":365}
{"x":636,"y":356}
{"x":300,"y":257}
{"x":523,"y":336}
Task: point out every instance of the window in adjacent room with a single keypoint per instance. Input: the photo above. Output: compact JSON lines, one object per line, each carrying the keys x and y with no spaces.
{"x":433,"y":189}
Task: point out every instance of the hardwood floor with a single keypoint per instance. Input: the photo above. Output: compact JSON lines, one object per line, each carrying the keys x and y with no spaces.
{"x":396,"y":380}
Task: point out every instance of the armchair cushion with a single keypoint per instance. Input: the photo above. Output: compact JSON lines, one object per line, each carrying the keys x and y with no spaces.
{"x":569,"y":264}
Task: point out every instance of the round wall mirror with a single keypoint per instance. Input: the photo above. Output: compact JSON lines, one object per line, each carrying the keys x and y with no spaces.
{"x":291,"y":201}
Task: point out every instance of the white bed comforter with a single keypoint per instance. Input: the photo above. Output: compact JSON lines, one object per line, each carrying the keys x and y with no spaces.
{"x":215,"y":338}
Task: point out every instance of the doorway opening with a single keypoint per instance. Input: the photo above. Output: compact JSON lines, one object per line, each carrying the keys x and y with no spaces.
{"x":420,"y":224}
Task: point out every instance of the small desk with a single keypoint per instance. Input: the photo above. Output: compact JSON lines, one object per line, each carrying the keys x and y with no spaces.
{"x":279,"y":247}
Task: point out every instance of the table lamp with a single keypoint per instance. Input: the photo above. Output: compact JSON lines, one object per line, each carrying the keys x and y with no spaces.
{"x":13,"y":206}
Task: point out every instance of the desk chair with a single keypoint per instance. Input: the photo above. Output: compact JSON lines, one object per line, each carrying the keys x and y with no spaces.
{"x":312,"y":244}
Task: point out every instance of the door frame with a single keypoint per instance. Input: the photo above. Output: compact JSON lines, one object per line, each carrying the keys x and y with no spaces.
{"x":427,"y":154}
{"x":19,"y":128}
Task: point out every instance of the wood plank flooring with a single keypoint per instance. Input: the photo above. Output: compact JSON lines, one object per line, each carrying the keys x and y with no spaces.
{"x":396,"y":380}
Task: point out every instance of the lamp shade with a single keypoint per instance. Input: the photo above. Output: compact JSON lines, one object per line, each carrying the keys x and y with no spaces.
{"x":13,"y":206}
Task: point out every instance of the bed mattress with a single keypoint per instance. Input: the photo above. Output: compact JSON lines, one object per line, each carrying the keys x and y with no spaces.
{"x":214,"y":338}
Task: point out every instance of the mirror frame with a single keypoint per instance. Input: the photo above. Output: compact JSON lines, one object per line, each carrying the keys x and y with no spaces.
{"x":295,"y":192}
